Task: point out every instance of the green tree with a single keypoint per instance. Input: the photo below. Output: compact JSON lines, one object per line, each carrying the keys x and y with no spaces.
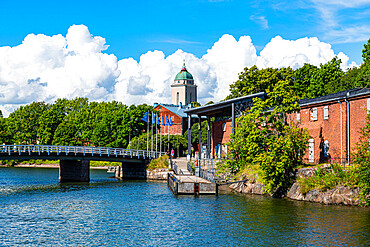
{"x":302,"y":79}
{"x":326,"y":79}
{"x":254,"y":80}
{"x":23,"y":124}
{"x":265,"y":139}
{"x":366,"y":52}
{"x":195,"y":133}
{"x":362,"y":159}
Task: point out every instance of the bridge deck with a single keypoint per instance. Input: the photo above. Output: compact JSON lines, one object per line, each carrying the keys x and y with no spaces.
{"x":12,"y":152}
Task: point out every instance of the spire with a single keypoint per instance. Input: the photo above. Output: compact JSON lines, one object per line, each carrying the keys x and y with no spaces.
{"x":184,"y":66}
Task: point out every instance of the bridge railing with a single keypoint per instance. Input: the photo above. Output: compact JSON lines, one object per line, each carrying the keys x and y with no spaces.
{"x":23,"y":150}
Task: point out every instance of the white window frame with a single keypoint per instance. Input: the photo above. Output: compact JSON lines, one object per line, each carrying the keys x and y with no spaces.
{"x":311,"y":150}
{"x":326,"y":149}
{"x":298,"y":116}
{"x":224,"y":127}
{"x":326,"y":112}
{"x":368,"y":106}
{"x":314,"y":114}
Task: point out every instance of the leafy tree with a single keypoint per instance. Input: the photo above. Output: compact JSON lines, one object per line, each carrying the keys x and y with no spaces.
{"x":265,"y":139}
{"x":302,"y":79}
{"x":366,"y":52}
{"x":23,"y":124}
{"x":195,"y":133}
{"x":362,"y":158}
{"x":254,"y":80}
{"x":195,"y":104}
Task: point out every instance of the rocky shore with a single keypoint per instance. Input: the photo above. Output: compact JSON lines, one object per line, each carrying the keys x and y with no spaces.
{"x":339,"y":196}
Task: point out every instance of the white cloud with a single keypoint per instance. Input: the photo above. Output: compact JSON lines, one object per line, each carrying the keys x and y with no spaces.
{"x":45,"y":68}
{"x":295,"y":53}
{"x":261,"y":20}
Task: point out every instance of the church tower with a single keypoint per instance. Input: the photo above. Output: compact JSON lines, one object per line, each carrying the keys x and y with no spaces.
{"x":183,"y":90}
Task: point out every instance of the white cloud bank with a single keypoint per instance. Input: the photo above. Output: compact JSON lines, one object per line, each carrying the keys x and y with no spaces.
{"x":45,"y":68}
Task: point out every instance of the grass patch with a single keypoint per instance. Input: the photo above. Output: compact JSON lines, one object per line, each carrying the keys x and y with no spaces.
{"x":94,"y":163}
{"x":161,"y":162}
{"x":252,"y":173}
{"x":325,"y":179}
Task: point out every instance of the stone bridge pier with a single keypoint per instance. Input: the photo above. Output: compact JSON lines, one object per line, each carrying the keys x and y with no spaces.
{"x":133,"y":170}
{"x":74,"y":171}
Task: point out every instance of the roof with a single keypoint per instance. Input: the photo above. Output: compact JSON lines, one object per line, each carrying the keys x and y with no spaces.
{"x":223,"y":107}
{"x":356,"y":92}
{"x":184,"y":74}
{"x":177,"y":109}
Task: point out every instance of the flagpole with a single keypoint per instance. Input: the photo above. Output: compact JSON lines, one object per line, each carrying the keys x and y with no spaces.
{"x":156,"y":134}
{"x":152,"y":132}
{"x":160,"y":137}
{"x":147,"y":135}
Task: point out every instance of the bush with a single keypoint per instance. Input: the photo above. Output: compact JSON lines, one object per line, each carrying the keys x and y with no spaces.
{"x":328,"y":178}
{"x":161,"y":162}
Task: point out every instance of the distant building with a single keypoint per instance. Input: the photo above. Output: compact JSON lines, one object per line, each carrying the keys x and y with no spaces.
{"x":183,"y":92}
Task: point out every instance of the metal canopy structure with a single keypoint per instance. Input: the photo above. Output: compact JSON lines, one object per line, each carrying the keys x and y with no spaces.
{"x":228,"y":108}
{"x":224,"y":108}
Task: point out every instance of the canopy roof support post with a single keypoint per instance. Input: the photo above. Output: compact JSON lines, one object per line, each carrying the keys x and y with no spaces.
{"x":200,"y":139}
{"x":189,"y":135}
{"x":208,"y":137}
{"x":233,"y":117}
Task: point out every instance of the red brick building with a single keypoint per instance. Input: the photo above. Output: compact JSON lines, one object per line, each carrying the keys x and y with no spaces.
{"x":334,"y":122}
{"x":178,"y":117}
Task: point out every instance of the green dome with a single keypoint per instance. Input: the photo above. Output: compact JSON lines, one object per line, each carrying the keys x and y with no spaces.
{"x":184,"y":74}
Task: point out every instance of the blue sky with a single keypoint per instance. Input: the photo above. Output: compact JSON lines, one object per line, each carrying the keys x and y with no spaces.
{"x":130,"y":51}
{"x":132,"y":28}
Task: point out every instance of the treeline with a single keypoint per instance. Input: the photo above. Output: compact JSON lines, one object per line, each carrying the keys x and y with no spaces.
{"x":308,"y":81}
{"x":74,"y":122}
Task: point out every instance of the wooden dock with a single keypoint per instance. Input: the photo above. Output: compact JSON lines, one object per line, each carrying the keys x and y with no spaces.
{"x":190,"y":185}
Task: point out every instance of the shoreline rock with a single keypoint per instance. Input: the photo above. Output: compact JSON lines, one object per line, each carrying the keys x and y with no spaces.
{"x":340,"y":195}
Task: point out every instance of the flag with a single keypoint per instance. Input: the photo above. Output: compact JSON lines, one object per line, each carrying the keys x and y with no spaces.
{"x":153,"y":118}
{"x":146,"y":117}
{"x":169,"y":121}
{"x":157,"y":119}
{"x":163,"y":123}
{"x":166,"y":123}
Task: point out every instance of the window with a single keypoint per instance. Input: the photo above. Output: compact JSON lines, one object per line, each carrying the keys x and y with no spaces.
{"x":326,"y":148}
{"x":311,"y":150}
{"x":314,"y":114}
{"x":326,"y":112}
{"x":224,"y":127}
{"x":190,"y":98}
{"x":177,"y":98}
{"x":298,"y":116}
{"x":368,"y":106}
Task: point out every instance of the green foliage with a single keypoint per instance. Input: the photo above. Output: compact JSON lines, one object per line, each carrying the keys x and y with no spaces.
{"x":195,"y":104}
{"x":103,"y":163}
{"x":161,"y":162}
{"x":362,"y":158}
{"x":254,"y":80}
{"x":264,"y":139}
{"x":195,"y":133}
{"x":325,"y":80}
{"x":327,"y":179}
{"x":366,"y":52}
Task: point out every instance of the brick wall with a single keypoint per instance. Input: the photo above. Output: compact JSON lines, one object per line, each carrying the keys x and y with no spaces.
{"x":329,"y":129}
{"x":219,"y":136}
{"x":177,"y":122}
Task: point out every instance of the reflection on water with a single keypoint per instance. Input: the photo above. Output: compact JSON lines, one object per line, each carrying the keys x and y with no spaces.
{"x":36,"y":210}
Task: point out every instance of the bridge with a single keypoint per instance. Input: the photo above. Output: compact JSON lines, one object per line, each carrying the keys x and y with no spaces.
{"x":74,"y":161}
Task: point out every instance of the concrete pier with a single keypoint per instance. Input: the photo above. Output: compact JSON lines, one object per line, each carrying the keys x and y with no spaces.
{"x":74,"y":171}
{"x":189,"y":184}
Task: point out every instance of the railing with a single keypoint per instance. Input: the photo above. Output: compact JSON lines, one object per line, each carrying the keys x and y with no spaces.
{"x":190,"y":168}
{"x":209,"y":175}
{"x":14,"y":150}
